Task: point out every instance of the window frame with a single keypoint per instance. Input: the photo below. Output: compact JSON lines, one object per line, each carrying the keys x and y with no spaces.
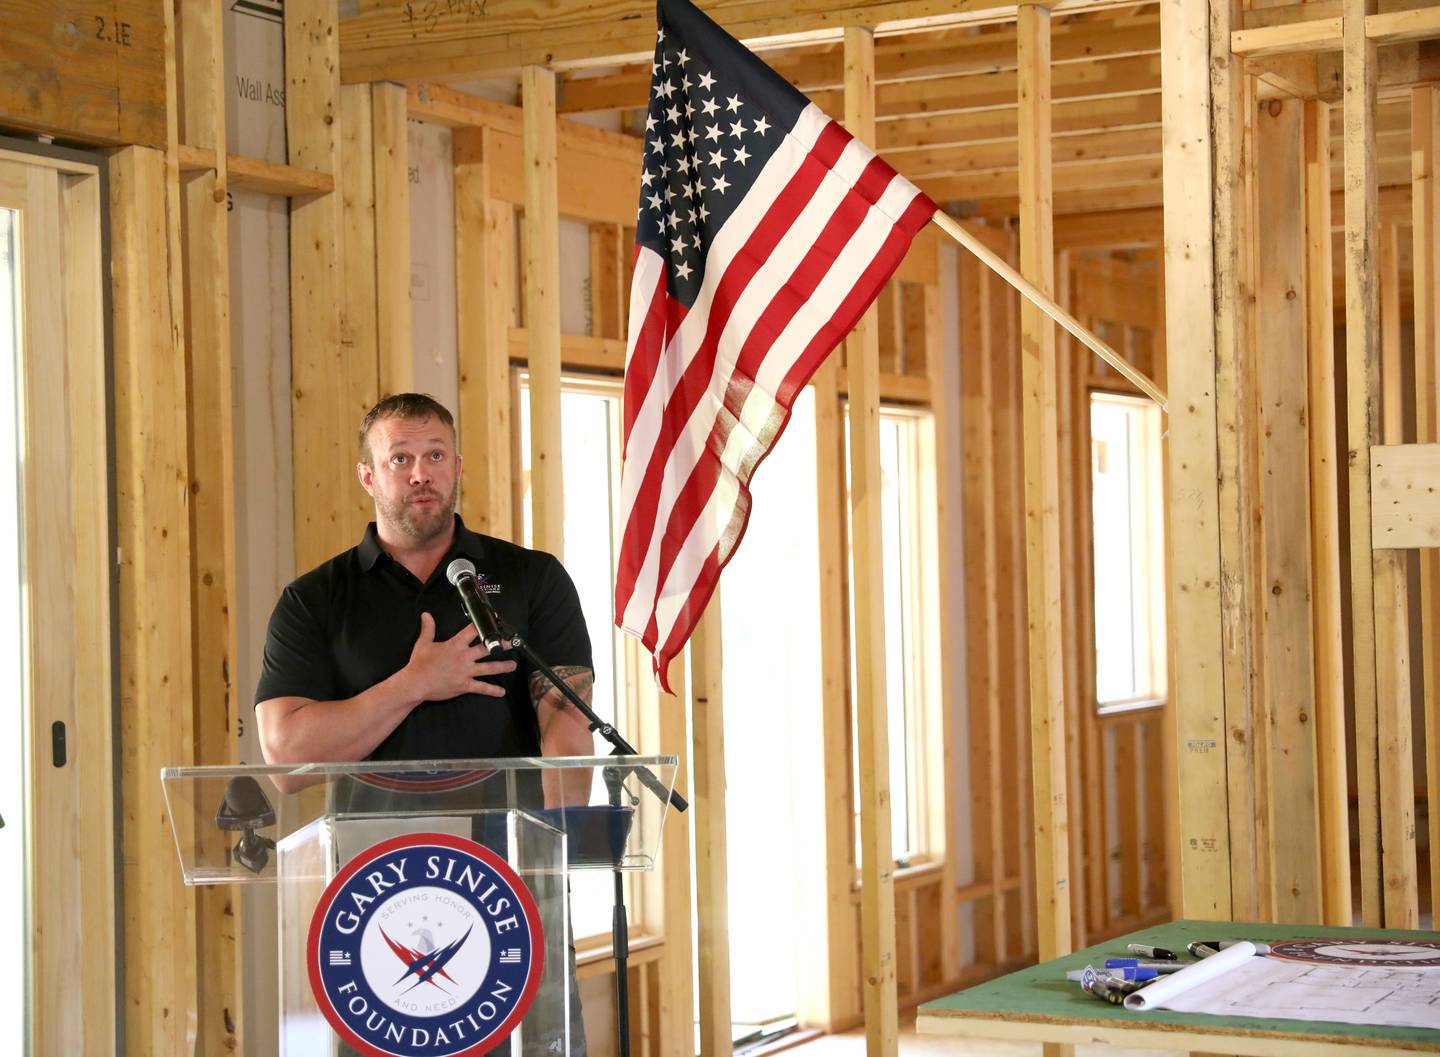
{"x":637,"y":701}
{"x":926,"y":789}
{"x":1148,"y":591}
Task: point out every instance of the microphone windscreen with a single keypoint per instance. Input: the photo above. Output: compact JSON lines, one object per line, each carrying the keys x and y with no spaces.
{"x":458,"y":568}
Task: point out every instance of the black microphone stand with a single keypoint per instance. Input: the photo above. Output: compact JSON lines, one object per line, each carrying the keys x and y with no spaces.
{"x":615,"y":782}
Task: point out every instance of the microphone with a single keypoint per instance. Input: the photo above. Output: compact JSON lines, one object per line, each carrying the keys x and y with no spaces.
{"x":461,"y":573}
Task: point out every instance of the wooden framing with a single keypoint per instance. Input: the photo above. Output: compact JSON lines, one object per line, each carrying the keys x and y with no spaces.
{"x":1042,"y":499}
{"x":484,"y":249}
{"x":253,"y":174}
{"x":217,"y":710}
{"x":103,"y":71}
{"x":862,"y":358}
{"x":157,"y":667}
{"x":68,"y":662}
{"x":333,"y":375}
{"x":829,"y":991}
{"x":1233,"y":97}
{"x":957,"y":106}
{"x":1425,"y":140}
{"x":357,"y":245}
{"x":1193,"y":464}
{"x":897,"y":59}
{"x":392,"y":240}
{"x":1325,"y":555}
{"x":1386,"y":851}
{"x":1287,"y":689}
{"x":981,"y":596}
{"x":392,"y":41}
{"x":944,"y":646}
{"x":711,"y":883}
{"x":540,"y":242}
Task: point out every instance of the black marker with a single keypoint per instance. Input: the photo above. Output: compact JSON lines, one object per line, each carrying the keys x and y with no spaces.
{"x":1146,"y":951}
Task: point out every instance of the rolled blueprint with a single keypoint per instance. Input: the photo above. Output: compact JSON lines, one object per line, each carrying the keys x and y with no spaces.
{"x":1155,"y":995}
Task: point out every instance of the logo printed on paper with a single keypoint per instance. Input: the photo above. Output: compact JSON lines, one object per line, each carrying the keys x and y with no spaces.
{"x":1377,"y":953}
{"x":426,"y":945}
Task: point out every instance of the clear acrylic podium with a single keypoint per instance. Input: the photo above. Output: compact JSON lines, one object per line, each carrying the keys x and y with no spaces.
{"x":441,"y":888}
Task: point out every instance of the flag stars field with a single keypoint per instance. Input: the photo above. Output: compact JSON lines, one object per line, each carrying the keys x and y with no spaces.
{"x":687,"y":100}
{"x":754,"y":256}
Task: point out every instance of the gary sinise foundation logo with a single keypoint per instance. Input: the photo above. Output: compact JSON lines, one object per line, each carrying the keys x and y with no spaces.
{"x":426,"y":945}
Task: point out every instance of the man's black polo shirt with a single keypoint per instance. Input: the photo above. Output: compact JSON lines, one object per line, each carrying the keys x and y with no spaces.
{"x":351,"y":623}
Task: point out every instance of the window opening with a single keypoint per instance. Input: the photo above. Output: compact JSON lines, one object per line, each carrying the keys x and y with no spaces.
{"x":1130,"y":663}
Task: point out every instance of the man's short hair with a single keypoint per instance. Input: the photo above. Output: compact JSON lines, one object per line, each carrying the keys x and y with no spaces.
{"x":412,"y":406}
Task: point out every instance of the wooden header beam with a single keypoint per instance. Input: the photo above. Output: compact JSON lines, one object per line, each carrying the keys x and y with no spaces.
{"x":1327,"y":34}
{"x":394,"y":41}
{"x":907,"y":58}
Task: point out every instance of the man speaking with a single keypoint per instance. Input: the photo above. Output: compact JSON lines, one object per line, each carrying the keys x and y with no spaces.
{"x":371,"y":656}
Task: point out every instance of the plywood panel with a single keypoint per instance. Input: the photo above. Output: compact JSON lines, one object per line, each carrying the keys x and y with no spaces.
{"x":1405,"y":503}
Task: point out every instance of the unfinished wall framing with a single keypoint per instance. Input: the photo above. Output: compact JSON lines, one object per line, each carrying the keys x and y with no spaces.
{"x":1312,"y":114}
{"x":1308,"y":129}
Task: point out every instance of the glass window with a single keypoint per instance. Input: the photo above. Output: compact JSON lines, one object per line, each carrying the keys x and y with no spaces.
{"x":590,"y":462}
{"x":906,"y":501}
{"x":1129,"y":551}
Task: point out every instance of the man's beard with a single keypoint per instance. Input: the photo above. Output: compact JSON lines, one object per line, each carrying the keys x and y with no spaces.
{"x":423,"y":524}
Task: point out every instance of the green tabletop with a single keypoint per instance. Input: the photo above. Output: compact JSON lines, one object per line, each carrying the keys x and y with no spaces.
{"x":1041,"y":994}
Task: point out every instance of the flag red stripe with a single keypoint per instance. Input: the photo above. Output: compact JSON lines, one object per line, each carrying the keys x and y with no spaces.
{"x":787,"y":300}
{"x":644,"y":358}
{"x":696,"y":380}
{"x":887,"y":258}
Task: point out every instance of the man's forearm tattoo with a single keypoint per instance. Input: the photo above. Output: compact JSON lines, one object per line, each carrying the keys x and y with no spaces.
{"x":543,"y":692}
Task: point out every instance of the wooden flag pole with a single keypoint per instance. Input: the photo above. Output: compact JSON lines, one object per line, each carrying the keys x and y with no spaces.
{"x":1001,"y":267}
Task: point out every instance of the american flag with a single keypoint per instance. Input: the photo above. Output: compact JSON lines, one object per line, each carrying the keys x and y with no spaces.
{"x":765,"y":230}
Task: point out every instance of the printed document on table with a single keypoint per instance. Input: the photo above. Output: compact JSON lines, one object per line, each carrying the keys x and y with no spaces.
{"x":1271,"y":987}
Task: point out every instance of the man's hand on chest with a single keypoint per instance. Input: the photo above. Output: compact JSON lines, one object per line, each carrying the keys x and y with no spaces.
{"x":441,"y":669}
